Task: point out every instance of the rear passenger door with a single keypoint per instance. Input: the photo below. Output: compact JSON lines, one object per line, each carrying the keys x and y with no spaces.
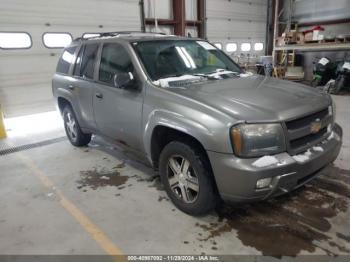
{"x":83,"y":84}
{"x":118,"y":111}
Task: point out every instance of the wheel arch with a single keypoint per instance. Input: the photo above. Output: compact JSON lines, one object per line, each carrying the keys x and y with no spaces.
{"x":62,"y":102}
{"x":162,"y":135}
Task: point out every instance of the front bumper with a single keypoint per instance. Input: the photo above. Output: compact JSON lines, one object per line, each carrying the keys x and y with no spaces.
{"x":236,"y":178}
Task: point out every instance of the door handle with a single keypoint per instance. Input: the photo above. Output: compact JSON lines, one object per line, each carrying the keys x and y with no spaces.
{"x":71,"y":87}
{"x":99,"y":95}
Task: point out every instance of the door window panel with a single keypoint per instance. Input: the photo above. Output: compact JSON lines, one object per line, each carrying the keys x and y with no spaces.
{"x":15,"y":40}
{"x":114,"y":60}
{"x":245,"y":47}
{"x":231,"y":47}
{"x":57,"y":40}
{"x":258,"y":46}
{"x":89,"y":35}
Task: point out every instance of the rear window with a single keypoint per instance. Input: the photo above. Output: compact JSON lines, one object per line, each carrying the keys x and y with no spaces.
{"x":66,"y":60}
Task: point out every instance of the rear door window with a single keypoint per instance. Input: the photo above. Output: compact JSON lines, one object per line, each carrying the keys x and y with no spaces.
{"x":66,"y":60}
{"x":85,"y":63}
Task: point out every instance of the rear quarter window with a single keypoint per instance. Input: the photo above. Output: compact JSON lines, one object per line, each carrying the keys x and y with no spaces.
{"x":66,"y":60}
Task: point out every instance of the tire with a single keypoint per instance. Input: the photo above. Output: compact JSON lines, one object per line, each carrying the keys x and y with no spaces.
{"x":181,"y":188}
{"x":73,"y":130}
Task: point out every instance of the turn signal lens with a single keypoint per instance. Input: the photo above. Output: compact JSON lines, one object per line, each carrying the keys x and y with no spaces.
{"x":237,"y":140}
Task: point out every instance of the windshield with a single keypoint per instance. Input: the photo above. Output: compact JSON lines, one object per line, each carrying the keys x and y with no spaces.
{"x":172,"y":58}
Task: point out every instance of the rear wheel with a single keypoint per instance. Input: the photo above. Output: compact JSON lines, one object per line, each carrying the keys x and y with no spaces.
{"x":187,"y":181}
{"x":73,"y":131}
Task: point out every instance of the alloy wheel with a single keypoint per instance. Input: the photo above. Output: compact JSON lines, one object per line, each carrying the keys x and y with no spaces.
{"x":182,"y":179}
{"x":71,"y":126}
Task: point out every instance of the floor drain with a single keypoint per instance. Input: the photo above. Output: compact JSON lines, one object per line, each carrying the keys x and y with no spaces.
{"x":15,"y":149}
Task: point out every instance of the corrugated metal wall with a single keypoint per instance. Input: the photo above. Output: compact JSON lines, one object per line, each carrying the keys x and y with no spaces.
{"x":25,"y":75}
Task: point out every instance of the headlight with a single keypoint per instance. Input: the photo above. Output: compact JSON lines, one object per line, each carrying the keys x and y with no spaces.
{"x":254,"y":140}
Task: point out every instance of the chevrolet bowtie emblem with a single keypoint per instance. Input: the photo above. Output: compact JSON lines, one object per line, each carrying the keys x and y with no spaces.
{"x":315,"y":126}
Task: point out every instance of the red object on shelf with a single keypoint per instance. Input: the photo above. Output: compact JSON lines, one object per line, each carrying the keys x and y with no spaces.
{"x":318,"y":28}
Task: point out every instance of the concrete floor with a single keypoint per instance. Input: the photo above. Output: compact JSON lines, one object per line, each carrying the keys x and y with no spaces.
{"x":58,"y":199}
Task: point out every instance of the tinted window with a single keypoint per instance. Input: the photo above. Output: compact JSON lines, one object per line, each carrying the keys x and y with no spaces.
{"x":86,"y":61}
{"x":114,"y":60}
{"x":66,"y":60}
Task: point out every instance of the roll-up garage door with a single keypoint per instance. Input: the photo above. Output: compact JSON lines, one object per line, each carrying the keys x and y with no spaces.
{"x":238,"y":26}
{"x":27,"y":65}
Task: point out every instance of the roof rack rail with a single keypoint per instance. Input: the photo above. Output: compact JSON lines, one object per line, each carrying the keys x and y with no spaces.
{"x":117,"y":33}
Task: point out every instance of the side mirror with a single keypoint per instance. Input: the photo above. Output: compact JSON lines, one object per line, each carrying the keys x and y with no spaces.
{"x":123,"y":80}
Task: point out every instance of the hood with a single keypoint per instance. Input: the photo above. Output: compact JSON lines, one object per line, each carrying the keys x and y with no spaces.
{"x":257,"y":98}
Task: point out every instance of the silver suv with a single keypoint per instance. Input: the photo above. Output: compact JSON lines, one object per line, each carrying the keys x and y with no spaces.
{"x":212,"y":131}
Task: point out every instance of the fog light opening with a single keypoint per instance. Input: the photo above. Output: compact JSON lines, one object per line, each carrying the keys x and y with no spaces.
{"x":264,"y":183}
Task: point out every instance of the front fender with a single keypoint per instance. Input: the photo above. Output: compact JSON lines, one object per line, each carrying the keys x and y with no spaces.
{"x":203,"y":131}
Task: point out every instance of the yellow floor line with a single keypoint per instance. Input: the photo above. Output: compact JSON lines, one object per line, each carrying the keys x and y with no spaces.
{"x":105,"y":243}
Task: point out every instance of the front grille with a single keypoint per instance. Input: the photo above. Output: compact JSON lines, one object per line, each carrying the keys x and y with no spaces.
{"x":295,"y":124}
{"x":296,"y":143}
{"x":299,"y":132}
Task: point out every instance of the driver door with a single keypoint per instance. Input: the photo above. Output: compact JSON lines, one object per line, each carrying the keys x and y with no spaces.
{"x":117,"y":111}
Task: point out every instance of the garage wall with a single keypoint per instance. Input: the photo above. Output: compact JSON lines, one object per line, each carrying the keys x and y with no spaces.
{"x":237,"y":21}
{"x":25,"y":75}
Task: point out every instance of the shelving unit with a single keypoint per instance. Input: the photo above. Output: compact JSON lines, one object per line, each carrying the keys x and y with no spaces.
{"x":314,"y":47}
{"x":284,"y":56}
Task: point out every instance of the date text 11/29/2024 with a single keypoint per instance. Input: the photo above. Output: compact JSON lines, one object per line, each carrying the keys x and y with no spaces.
{"x":173,"y":258}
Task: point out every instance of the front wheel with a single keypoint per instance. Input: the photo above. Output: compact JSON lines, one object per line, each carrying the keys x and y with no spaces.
{"x":73,"y":131}
{"x":187,"y":179}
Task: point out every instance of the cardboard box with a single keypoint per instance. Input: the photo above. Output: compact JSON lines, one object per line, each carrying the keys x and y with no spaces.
{"x":308,"y":36}
{"x":280,"y":41}
{"x":300,"y":38}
